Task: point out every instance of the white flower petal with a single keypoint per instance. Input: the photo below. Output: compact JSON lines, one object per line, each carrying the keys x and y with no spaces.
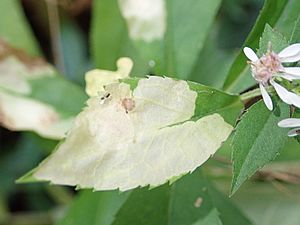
{"x":291,"y":59}
{"x":286,"y":96}
{"x":290,"y":51}
{"x":292,"y":70}
{"x":295,"y":99}
{"x":250,"y":54}
{"x":294,"y":132}
{"x":283,"y":93}
{"x":290,"y":122}
{"x":289,"y":76}
{"x":266,"y":97}
{"x":290,"y":73}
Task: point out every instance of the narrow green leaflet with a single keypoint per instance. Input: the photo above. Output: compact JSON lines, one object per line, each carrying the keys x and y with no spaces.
{"x":295,"y":37}
{"x":109,"y":38}
{"x":183,"y":42}
{"x":257,"y":140}
{"x":189,"y":201}
{"x":287,"y":23}
{"x":127,"y":138}
{"x":31,"y":95}
{"x":14,"y":28}
{"x":239,"y":77}
{"x":228,"y":212}
{"x":207,"y":59}
{"x":158,"y":40}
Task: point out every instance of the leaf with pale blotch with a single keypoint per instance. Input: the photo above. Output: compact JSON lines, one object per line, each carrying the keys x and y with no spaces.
{"x":97,"y":79}
{"x":146,"y":20}
{"x":26,"y":102}
{"x":125,"y":139}
{"x":21,"y":113}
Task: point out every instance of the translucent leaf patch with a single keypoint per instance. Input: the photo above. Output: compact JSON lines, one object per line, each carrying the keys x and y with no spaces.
{"x":22,"y":105}
{"x":21,"y":113}
{"x":124,"y":139}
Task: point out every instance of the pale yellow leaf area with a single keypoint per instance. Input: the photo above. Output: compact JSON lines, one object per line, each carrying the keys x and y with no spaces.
{"x":97,"y":79}
{"x":147,"y":141}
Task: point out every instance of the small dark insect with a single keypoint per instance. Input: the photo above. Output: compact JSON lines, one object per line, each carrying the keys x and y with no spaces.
{"x":105,"y":96}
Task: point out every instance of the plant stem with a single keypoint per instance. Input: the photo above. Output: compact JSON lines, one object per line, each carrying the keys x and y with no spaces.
{"x":54,"y":26}
{"x":254,"y":93}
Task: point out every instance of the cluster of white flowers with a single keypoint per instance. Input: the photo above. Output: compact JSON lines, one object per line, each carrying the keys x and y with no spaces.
{"x":269,"y":67}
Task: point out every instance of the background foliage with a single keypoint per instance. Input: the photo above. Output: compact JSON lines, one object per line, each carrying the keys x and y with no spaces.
{"x":202,"y":44}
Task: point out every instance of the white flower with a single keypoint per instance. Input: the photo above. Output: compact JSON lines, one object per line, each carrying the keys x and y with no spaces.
{"x":269,"y":66}
{"x":290,"y":123}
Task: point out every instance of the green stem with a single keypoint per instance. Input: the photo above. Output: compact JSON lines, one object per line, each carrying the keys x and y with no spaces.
{"x":254,"y":93}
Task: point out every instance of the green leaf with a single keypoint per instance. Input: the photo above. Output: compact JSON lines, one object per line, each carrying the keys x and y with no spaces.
{"x":14,"y":28}
{"x":295,"y":38}
{"x":107,"y":22}
{"x":150,"y":133}
{"x":174,"y":53}
{"x":210,"y":100}
{"x":67,"y":98}
{"x":74,"y":50}
{"x":257,"y":140}
{"x":25,"y":155}
{"x":187,"y":201}
{"x":228,"y":212}
{"x":287,"y":23}
{"x":94,"y":208}
{"x":212,"y":219}
{"x":269,"y":203}
{"x":277,"y":40}
{"x":186,"y":35}
{"x":239,"y":78}
{"x":206,"y":61}
{"x":298,"y":139}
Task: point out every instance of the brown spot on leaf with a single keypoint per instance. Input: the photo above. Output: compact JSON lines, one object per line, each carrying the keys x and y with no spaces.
{"x":128,"y":104}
